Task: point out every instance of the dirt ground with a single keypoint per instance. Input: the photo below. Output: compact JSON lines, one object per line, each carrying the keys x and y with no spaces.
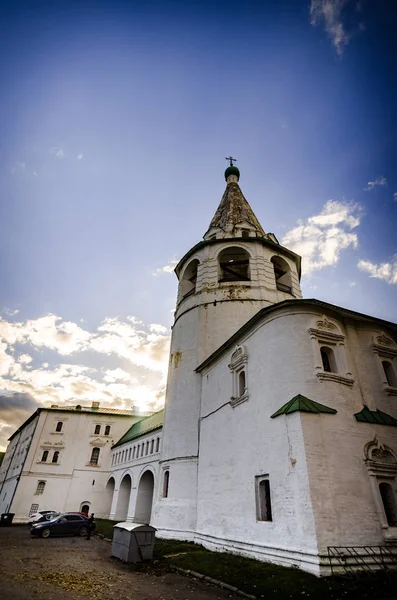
{"x":73,"y":568}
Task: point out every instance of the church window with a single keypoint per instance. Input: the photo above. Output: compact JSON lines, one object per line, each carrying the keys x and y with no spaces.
{"x":166,"y":481}
{"x":147,"y":449}
{"x":129,"y":453}
{"x":107,"y":430}
{"x":282,"y":274}
{"x":40,"y":487}
{"x":55,"y":456}
{"x":389,"y":503}
{"x":157,"y":444}
{"x":133,"y":452}
{"x":45,"y":456}
{"x":189,"y":278}
{"x":151,"y":447}
{"x":263,"y":499}
{"x":97,"y":429}
{"x":389,"y":373}
{"x":94,"y":456}
{"x":234,"y":265}
{"x":238,"y":368}
{"x":328,"y":359}
{"x":245,"y":233}
{"x":59,"y":426}
{"x":241,"y":383}
{"x":113,"y":460}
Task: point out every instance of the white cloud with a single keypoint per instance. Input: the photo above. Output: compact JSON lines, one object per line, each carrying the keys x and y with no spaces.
{"x":395,"y":196}
{"x":79,"y":156}
{"x":382,"y":181}
{"x":58,"y":152}
{"x":330,"y":13}
{"x":168,"y":268}
{"x":25,"y":359}
{"x":386,"y":271}
{"x":9,"y":312}
{"x":320,"y":239}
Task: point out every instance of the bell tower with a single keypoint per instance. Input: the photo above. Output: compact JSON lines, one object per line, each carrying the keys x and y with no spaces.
{"x":225,"y":279}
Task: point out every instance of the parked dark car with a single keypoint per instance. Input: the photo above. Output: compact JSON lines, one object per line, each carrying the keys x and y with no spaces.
{"x":66,"y":524}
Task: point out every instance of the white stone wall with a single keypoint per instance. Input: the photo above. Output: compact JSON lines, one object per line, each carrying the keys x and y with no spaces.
{"x":72,"y":481}
{"x":320,"y":488}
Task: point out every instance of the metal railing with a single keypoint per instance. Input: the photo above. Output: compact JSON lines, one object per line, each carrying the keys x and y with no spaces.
{"x":355,"y":559}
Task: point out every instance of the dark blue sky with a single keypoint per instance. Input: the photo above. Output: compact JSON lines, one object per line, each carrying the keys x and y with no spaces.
{"x":115,"y":118}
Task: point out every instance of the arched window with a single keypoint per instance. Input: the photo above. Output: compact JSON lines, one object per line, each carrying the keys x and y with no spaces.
{"x":328,"y":358}
{"x":234,"y":265}
{"x":241,"y":383}
{"x":133,"y":452}
{"x":188,"y":282}
{"x":129,"y":453}
{"x":94,"y":456}
{"x":245,"y":233}
{"x":107,"y":430}
{"x":40,"y":487}
{"x":389,"y":373}
{"x":151,"y":446}
{"x":59,"y":426}
{"x":97,"y":429}
{"x":55,"y":456}
{"x":45,"y":456}
{"x":389,"y":503}
{"x":157,"y":444}
{"x":166,"y":481}
{"x":282,"y":274}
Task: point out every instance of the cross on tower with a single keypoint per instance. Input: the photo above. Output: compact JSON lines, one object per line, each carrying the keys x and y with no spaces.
{"x":231,"y":159}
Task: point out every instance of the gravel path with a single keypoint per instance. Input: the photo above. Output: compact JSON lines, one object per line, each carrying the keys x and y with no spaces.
{"x":72,"y":568}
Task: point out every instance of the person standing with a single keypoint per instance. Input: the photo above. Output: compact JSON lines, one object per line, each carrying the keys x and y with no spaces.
{"x":90,"y":526}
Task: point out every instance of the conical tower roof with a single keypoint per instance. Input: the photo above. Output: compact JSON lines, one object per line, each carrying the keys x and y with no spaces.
{"x":234,"y":208}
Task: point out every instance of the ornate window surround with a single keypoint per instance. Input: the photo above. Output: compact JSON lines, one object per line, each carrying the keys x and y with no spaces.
{"x":238,"y":363}
{"x":327,"y":333}
{"x":384,"y":347}
{"x":381,"y":463}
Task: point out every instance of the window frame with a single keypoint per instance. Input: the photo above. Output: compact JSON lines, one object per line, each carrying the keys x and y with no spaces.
{"x":385,"y":350}
{"x":94,"y":461}
{"x":40,"y":487}
{"x":381,"y":463}
{"x":264,"y":505}
{"x":240,"y":277}
{"x":59,"y":427}
{"x":327,"y":334}
{"x":238,"y":365}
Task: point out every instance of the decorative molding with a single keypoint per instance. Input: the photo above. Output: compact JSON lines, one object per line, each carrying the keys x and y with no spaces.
{"x":97,"y":442}
{"x":239,"y":400}
{"x":325,"y":376}
{"x":239,"y":358}
{"x":385,"y":345}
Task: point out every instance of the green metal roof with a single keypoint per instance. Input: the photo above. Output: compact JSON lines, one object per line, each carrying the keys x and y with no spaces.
{"x":302,"y":404}
{"x":142,"y":427}
{"x":375,"y":417}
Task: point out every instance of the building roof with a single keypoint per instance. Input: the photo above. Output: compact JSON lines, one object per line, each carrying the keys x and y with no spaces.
{"x":375,"y":417}
{"x":234,"y":209}
{"x":299,"y":303}
{"x":142,"y":427}
{"x":302,"y":404}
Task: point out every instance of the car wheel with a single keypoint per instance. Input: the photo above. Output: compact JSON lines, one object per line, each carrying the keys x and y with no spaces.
{"x":83,"y":531}
{"x":46,"y":532}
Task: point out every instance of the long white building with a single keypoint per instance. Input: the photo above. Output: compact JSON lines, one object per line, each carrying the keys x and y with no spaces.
{"x":60,"y":459}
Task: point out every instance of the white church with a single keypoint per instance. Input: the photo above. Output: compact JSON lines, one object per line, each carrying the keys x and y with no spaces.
{"x":278,"y":440}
